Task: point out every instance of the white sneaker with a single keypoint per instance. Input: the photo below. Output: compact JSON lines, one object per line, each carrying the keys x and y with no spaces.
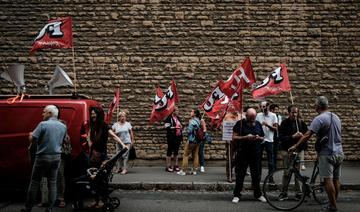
{"x":202,"y":169}
{"x":194,"y":173}
{"x":303,"y":168}
{"x":262,"y":199}
{"x":235,"y":200}
{"x":181,"y":172}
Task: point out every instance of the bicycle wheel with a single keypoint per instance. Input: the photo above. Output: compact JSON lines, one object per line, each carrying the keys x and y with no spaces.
{"x":318,"y":190}
{"x":283,"y":197}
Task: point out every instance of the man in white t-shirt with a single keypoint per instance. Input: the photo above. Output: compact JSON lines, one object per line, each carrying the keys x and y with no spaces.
{"x":269,"y":124}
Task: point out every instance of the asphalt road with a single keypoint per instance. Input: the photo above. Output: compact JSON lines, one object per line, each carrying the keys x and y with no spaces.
{"x":187,"y":201}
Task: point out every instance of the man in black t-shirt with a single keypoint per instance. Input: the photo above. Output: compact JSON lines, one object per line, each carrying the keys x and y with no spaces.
{"x":290,"y":132}
{"x":248,"y":134}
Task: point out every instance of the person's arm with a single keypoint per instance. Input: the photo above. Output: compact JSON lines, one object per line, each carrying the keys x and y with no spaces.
{"x":274,"y":126}
{"x":302,"y":140}
{"x":31,"y":138}
{"x":116,"y":138}
{"x":284,"y":132}
{"x":132,"y":136}
{"x":37,"y":133}
{"x":203,"y":125}
{"x":249,"y":137}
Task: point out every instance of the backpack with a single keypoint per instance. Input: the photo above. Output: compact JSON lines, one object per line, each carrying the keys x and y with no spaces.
{"x":199,"y":133}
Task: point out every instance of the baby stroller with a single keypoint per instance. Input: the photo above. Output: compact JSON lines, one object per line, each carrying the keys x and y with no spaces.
{"x":97,"y":182}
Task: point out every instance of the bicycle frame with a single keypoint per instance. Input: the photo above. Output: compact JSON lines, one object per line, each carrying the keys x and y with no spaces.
{"x":304,"y":185}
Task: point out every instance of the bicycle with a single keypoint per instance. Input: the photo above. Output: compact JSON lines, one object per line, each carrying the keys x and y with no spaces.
{"x":286,"y":188}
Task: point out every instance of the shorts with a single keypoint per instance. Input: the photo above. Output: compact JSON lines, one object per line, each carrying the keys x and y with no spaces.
{"x":330,"y":166}
{"x":173,"y":146}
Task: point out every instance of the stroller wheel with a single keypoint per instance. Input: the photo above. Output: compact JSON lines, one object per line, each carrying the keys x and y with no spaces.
{"x":77,"y":205}
{"x":115,"y":201}
{"x":108,"y":207}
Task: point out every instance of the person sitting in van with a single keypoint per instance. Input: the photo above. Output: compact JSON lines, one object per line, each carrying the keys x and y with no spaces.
{"x":49,"y":135}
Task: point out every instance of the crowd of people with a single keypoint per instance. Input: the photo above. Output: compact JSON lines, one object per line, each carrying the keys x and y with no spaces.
{"x":264,"y":130}
{"x":256,"y":130}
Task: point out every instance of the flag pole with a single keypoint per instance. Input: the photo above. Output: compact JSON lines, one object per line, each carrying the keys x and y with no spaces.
{"x":117,"y":112}
{"x":292,"y":102}
{"x":73,"y":57}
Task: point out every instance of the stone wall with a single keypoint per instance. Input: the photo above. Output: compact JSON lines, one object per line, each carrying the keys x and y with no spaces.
{"x":137,"y":44}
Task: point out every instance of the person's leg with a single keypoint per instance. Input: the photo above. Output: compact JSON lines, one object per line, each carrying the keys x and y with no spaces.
{"x":302,"y":158}
{"x":337,"y":173}
{"x":185,"y":162}
{"x":261,"y":150}
{"x":326,"y":171}
{"x":170,"y":147}
{"x":228,"y":162}
{"x":196,"y":157}
{"x":61,"y":183}
{"x":331,"y":192}
{"x":255,"y":175}
{"x":125,"y":158}
{"x":118,"y":162}
{"x":201,"y":154}
{"x":240,"y":171}
{"x":270,"y":156}
{"x":336,"y":182}
{"x":44,"y":192}
{"x":36,"y":176}
{"x":51,"y":174}
{"x":275,"y":153}
{"x":285,"y":164}
{"x":176,"y":152}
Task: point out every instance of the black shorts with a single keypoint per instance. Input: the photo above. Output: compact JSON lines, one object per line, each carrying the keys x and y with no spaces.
{"x":173,"y":145}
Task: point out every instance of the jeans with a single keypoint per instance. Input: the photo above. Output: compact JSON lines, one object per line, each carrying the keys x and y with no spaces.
{"x":202,"y":154}
{"x":194,"y":149}
{"x":60,"y":184}
{"x":275,"y":152}
{"x":268,"y":146}
{"x":47,"y":166}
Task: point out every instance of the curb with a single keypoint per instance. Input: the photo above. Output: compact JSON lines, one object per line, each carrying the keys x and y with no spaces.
{"x":196,"y":186}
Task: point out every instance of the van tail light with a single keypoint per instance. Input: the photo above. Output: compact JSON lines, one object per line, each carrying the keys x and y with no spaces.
{"x":84,"y":133}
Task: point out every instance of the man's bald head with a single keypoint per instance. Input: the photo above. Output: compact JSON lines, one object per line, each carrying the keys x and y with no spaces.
{"x":251,"y":115}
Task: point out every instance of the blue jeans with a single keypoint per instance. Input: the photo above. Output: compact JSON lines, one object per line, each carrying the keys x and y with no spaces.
{"x":44,"y":166}
{"x":202,"y":154}
{"x":268,"y":146}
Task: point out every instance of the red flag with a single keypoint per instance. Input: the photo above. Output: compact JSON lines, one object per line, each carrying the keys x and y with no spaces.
{"x":227,"y":105}
{"x":113,"y":105}
{"x":243,"y":75}
{"x":214,"y":103}
{"x":164,"y":104}
{"x":56,"y":34}
{"x":276,"y":82}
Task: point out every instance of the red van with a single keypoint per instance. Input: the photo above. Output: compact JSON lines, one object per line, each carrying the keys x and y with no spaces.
{"x":20,"y":118}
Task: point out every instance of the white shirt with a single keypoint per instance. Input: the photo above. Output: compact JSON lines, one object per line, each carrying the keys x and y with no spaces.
{"x":123,"y":131}
{"x":270,"y":119}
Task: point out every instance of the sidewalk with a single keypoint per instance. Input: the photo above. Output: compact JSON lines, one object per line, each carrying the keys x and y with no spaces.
{"x":214,"y":179}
